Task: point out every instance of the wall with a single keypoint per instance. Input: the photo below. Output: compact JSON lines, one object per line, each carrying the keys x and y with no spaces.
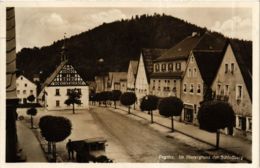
{"x":190,"y":99}
{"x":243,"y":107}
{"x":24,"y":89}
{"x":51,"y":98}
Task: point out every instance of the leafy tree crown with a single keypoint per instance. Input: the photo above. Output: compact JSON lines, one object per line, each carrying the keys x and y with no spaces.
{"x":214,"y":115}
{"x":128,"y":98}
{"x":170,"y":106}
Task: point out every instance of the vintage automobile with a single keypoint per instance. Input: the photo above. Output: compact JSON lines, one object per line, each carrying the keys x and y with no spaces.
{"x":91,"y":150}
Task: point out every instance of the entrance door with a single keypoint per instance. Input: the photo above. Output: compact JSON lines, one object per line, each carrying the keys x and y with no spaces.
{"x":188,"y":115}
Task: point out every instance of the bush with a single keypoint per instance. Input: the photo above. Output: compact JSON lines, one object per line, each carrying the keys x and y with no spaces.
{"x":115,"y":96}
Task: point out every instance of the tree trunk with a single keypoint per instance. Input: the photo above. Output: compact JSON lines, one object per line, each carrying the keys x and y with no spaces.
{"x":172,"y":124}
{"x":217,"y":139}
{"x":49,"y":147}
{"x":54,"y":151}
{"x":115,"y":104}
{"x":31,"y":122}
{"x":129,"y":110}
{"x":151,"y":112}
{"x":73,"y":108}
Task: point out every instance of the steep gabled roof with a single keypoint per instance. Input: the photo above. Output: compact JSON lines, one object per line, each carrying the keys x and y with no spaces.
{"x":54,"y":74}
{"x":181,"y":50}
{"x":243,"y":54}
{"x":134,"y":65}
{"x":208,"y":64}
{"x":207,"y":42}
{"x":116,"y":77}
{"x":149,"y":55}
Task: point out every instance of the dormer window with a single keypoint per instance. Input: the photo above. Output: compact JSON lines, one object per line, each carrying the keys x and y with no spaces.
{"x":163,"y":67}
{"x":157,"y":67}
{"x":170,"y":67}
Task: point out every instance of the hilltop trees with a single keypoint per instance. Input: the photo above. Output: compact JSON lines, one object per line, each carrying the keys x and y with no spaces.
{"x":149,"y":103}
{"x":74,"y":96}
{"x":216,"y":115}
{"x":128,"y":99}
{"x":169,"y":107}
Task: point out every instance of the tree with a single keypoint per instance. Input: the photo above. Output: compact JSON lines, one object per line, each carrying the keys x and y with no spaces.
{"x":115,"y":96}
{"x":31,"y":98}
{"x":149,"y":103}
{"x":169,"y":107}
{"x":54,"y":129}
{"x":128,"y":99}
{"x":32,"y":111}
{"x":215,"y":115}
{"x":73,"y":98}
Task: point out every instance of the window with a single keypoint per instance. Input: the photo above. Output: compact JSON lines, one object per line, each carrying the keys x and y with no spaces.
{"x":232,"y":68}
{"x":218,"y":89}
{"x":174,"y":83}
{"x":194,"y":72}
{"x":178,"y":66}
{"x":163,"y":67}
{"x":17,"y":84}
{"x":24,"y":91}
{"x":170,"y":67}
{"x":191,"y":59}
{"x":18,"y":91}
{"x":157,"y":67}
{"x":31,"y":91}
{"x":189,"y":72}
{"x":239,"y":92}
{"x":226,"y":92}
{"x":184,"y":88}
{"x":25,"y":85}
{"x":57,"y":93}
{"x":68,"y":91}
{"x":191,"y":88}
{"x":57,"y":103}
{"x":159,"y":88}
{"x":21,"y":78}
{"x":198,"y":89}
{"x":249,"y":123}
{"x":241,"y":123}
{"x":226,"y":68}
{"x":79,"y":90}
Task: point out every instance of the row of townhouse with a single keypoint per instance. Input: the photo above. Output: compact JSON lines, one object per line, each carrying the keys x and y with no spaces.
{"x":198,"y":66}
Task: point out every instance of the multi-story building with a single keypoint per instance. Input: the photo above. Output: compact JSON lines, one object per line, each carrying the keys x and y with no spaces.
{"x":57,"y":86}
{"x":25,"y":88}
{"x":202,"y":67}
{"x":131,"y":75}
{"x":233,"y":83}
{"x":168,"y":69}
{"x":144,"y":71}
{"x":117,"y":81}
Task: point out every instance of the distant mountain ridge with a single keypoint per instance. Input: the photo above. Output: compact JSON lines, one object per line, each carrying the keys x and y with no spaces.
{"x":117,"y":43}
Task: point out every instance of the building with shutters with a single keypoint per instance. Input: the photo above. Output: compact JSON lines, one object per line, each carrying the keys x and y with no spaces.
{"x":57,"y":86}
{"x":25,"y":88}
{"x":233,"y":83}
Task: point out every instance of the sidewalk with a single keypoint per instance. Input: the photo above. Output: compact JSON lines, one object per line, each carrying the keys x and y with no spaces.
{"x":29,"y":144}
{"x":229,"y":143}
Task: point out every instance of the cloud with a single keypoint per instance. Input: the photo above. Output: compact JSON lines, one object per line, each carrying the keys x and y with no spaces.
{"x":108,"y":16}
{"x":235,"y":27}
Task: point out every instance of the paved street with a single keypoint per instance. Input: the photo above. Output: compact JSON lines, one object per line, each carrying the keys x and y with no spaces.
{"x":129,"y":138}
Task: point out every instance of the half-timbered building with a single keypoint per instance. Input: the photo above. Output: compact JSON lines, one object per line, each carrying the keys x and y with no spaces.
{"x":63,"y":80}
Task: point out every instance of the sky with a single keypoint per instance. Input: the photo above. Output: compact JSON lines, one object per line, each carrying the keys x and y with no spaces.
{"x":37,"y":27}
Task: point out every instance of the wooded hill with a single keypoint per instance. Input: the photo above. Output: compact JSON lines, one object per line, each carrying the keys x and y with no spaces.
{"x":116,"y":42}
